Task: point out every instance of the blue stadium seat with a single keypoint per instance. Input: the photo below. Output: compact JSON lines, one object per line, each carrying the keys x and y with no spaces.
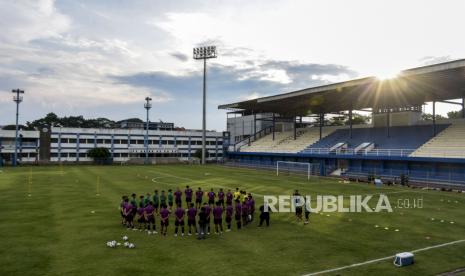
{"x":401,"y":137}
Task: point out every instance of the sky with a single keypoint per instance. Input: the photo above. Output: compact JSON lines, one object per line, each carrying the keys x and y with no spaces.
{"x":102,"y":58}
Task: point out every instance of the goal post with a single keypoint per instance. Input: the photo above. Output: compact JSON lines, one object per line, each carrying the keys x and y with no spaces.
{"x":304,"y":168}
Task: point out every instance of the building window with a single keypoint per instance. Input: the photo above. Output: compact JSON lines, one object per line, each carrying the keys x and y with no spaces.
{"x":99,"y":141}
{"x":108,"y":141}
{"x":82,"y":141}
{"x":72,"y":141}
{"x":133,"y":142}
{"x":83,"y":154}
{"x":72,"y":154}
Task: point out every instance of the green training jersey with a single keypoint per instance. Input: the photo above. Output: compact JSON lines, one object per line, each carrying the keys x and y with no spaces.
{"x":162,"y":199}
{"x":155,"y":199}
{"x":170,"y":197}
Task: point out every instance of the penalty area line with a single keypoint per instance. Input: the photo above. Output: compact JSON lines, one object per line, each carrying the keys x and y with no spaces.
{"x":382,"y":259}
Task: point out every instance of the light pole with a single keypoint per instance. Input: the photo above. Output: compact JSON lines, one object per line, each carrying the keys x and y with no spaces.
{"x":17,"y":99}
{"x":204,"y":53}
{"x":147,"y":106}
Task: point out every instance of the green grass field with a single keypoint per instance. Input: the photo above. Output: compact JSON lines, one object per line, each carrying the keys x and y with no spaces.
{"x":54,"y":232}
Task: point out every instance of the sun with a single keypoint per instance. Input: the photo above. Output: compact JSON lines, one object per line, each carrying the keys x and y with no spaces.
{"x":387,"y":75}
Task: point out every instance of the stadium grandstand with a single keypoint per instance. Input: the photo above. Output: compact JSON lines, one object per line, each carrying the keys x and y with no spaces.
{"x":397,"y":143}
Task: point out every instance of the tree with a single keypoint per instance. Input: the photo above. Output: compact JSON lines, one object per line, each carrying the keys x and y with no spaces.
{"x":100,"y":155}
{"x":51,"y":119}
{"x":198,"y":154}
{"x":358,"y":119}
{"x":454,"y":114}
{"x":13,"y":127}
{"x":429,"y":117}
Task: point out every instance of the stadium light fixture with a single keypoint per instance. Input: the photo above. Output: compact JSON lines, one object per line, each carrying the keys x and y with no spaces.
{"x":17,"y":98}
{"x":204,"y":53}
{"x":147,"y":106}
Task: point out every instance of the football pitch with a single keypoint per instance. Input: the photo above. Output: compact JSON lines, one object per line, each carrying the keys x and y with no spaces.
{"x":54,"y":223}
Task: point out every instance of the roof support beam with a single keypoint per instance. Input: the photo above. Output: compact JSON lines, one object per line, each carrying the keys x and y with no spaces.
{"x":450,"y":102}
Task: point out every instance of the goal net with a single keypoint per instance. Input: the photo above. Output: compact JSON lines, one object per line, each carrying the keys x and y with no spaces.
{"x":302,"y":168}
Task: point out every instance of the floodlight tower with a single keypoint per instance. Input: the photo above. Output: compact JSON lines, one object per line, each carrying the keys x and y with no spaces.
{"x":147,"y":106}
{"x":204,"y":53}
{"x":17,"y":99}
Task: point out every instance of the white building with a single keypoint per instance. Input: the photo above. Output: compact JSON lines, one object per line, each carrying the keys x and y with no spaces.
{"x":28,"y":146}
{"x":62,"y":144}
{"x":72,"y":144}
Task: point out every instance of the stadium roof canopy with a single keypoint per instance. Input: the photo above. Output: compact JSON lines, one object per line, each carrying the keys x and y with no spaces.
{"x":411,"y":87}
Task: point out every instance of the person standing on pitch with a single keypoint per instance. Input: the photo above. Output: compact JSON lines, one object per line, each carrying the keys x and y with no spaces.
{"x":245,"y":212}
{"x":156,"y":201}
{"x":141,"y":217}
{"x":208,"y":211}
{"x":218,"y":218}
{"x":188,"y":192}
{"x":177,"y":197}
{"x":221,"y":197}
{"x":162,"y":198}
{"x":149,"y":215}
{"x":264,"y":216}
{"x":179,"y":216}
{"x":229,"y":213}
{"x":164,"y":219}
{"x":229,"y":198}
{"x":211,"y":197}
{"x":202,"y":223}
{"x":237,"y":194}
{"x":198,"y":198}
{"x":128,"y":213}
{"x":170,"y":199}
{"x":251,"y":204}
{"x":238,"y":213}
{"x":191,"y":214}
{"x":297,"y":205}
{"x":307,"y":211}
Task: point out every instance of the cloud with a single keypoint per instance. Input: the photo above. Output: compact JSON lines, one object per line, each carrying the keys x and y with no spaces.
{"x":180,"y":56}
{"x":430,"y":60}
{"x":232,"y":83}
{"x":23,"y":21}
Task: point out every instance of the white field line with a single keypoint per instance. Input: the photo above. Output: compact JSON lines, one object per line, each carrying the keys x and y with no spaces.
{"x":381,"y":259}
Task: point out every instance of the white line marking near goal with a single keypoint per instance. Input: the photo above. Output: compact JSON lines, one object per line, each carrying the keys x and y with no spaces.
{"x":381,"y":259}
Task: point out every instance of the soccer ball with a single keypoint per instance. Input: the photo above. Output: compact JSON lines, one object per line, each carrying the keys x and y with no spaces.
{"x":125,"y":238}
{"x":131,"y":245}
{"x":126,"y":244}
{"x":111,"y":244}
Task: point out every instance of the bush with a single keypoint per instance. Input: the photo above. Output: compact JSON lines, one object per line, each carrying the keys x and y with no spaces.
{"x":100,"y":155}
